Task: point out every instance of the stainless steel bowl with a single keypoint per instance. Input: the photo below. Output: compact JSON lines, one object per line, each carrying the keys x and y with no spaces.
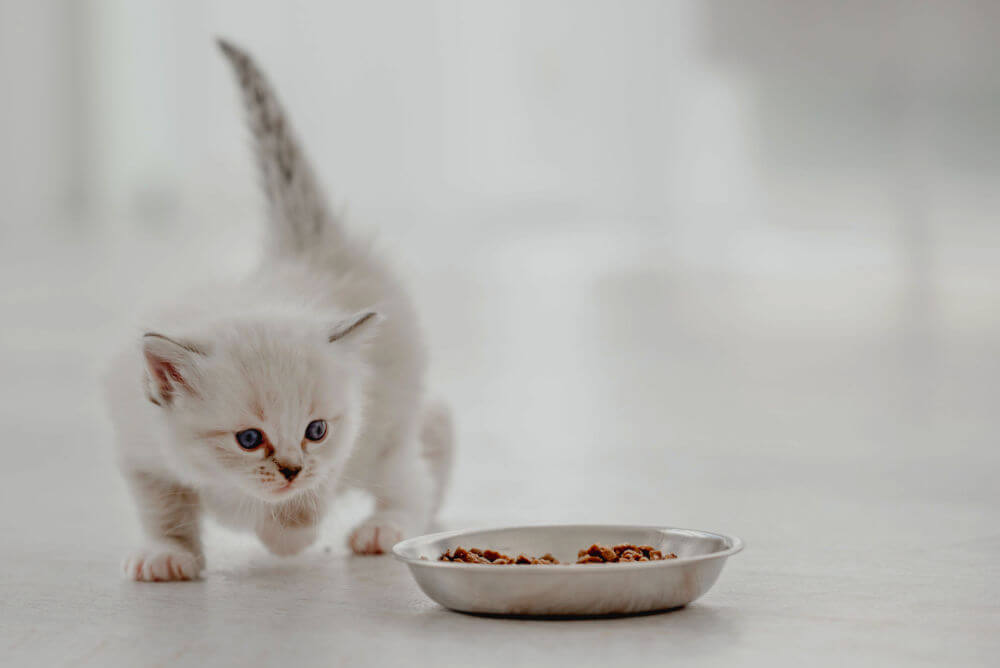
{"x":568,"y":589}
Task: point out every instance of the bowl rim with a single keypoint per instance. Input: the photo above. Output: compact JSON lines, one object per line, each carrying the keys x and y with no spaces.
{"x":734,"y":545}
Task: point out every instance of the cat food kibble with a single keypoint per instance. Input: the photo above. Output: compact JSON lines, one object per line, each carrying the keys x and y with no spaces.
{"x":477,"y":556}
{"x":601,"y":554}
{"x":595,"y":554}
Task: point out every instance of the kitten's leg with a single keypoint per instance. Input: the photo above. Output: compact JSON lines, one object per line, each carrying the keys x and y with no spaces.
{"x":437,"y":447}
{"x":408,"y":486}
{"x":403,"y":495}
{"x":169,"y":513}
{"x":289,"y":528}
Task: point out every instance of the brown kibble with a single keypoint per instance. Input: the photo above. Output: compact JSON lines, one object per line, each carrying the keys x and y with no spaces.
{"x":595,"y":554}
{"x":622,"y":552}
{"x":477,"y":556}
{"x":461,"y":555}
{"x":595,"y":550}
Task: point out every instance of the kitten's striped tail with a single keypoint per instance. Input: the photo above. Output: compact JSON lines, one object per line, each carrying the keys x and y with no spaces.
{"x":299,"y":218}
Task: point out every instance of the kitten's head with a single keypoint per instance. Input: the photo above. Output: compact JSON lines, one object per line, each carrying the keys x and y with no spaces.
{"x":270,"y":407}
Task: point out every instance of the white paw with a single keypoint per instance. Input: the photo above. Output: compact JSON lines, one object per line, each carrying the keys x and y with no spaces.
{"x":285,"y":541}
{"x":161,"y":564}
{"x":374,"y":537}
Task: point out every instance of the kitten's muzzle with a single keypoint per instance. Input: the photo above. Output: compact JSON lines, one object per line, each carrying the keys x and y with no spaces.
{"x":289,"y":471}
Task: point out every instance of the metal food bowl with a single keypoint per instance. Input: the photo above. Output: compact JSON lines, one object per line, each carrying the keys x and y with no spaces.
{"x":567,"y":589}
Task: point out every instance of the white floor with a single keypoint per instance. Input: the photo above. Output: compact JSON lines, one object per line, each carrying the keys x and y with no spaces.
{"x":841,"y":419}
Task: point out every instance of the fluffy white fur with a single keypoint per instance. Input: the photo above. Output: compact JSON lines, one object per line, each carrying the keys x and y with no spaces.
{"x":321,"y":330}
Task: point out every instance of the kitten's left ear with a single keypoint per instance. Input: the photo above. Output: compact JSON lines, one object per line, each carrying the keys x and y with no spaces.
{"x":357,"y":328}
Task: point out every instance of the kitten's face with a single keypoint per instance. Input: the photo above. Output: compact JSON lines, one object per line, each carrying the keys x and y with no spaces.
{"x":270,"y":410}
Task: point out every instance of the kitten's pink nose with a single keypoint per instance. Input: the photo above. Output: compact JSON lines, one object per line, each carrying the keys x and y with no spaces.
{"x":289,"y":471}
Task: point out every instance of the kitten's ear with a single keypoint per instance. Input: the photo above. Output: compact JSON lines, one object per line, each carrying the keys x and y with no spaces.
{"x":170,"y":366}
{"x":357,"y":328}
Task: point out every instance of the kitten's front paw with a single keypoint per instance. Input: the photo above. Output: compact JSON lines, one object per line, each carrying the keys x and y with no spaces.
{"x":162,"y":563}
{"x":285,"y":541}
{"x":375,"y":536}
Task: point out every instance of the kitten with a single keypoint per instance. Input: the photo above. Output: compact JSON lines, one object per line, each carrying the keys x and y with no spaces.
{"x":257,"y":401}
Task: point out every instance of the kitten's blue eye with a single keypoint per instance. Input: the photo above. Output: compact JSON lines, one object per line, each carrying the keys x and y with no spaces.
{"x":249,"y":439}
{"x":316,"y":430}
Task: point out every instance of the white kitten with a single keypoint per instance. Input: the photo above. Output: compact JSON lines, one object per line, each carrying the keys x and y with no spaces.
{"x":254,"y":401}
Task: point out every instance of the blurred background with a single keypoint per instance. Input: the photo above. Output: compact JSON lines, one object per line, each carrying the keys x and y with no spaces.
{"x":646,"y":224}
{"x":729,"y":264}
{"x":631,"y":226}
